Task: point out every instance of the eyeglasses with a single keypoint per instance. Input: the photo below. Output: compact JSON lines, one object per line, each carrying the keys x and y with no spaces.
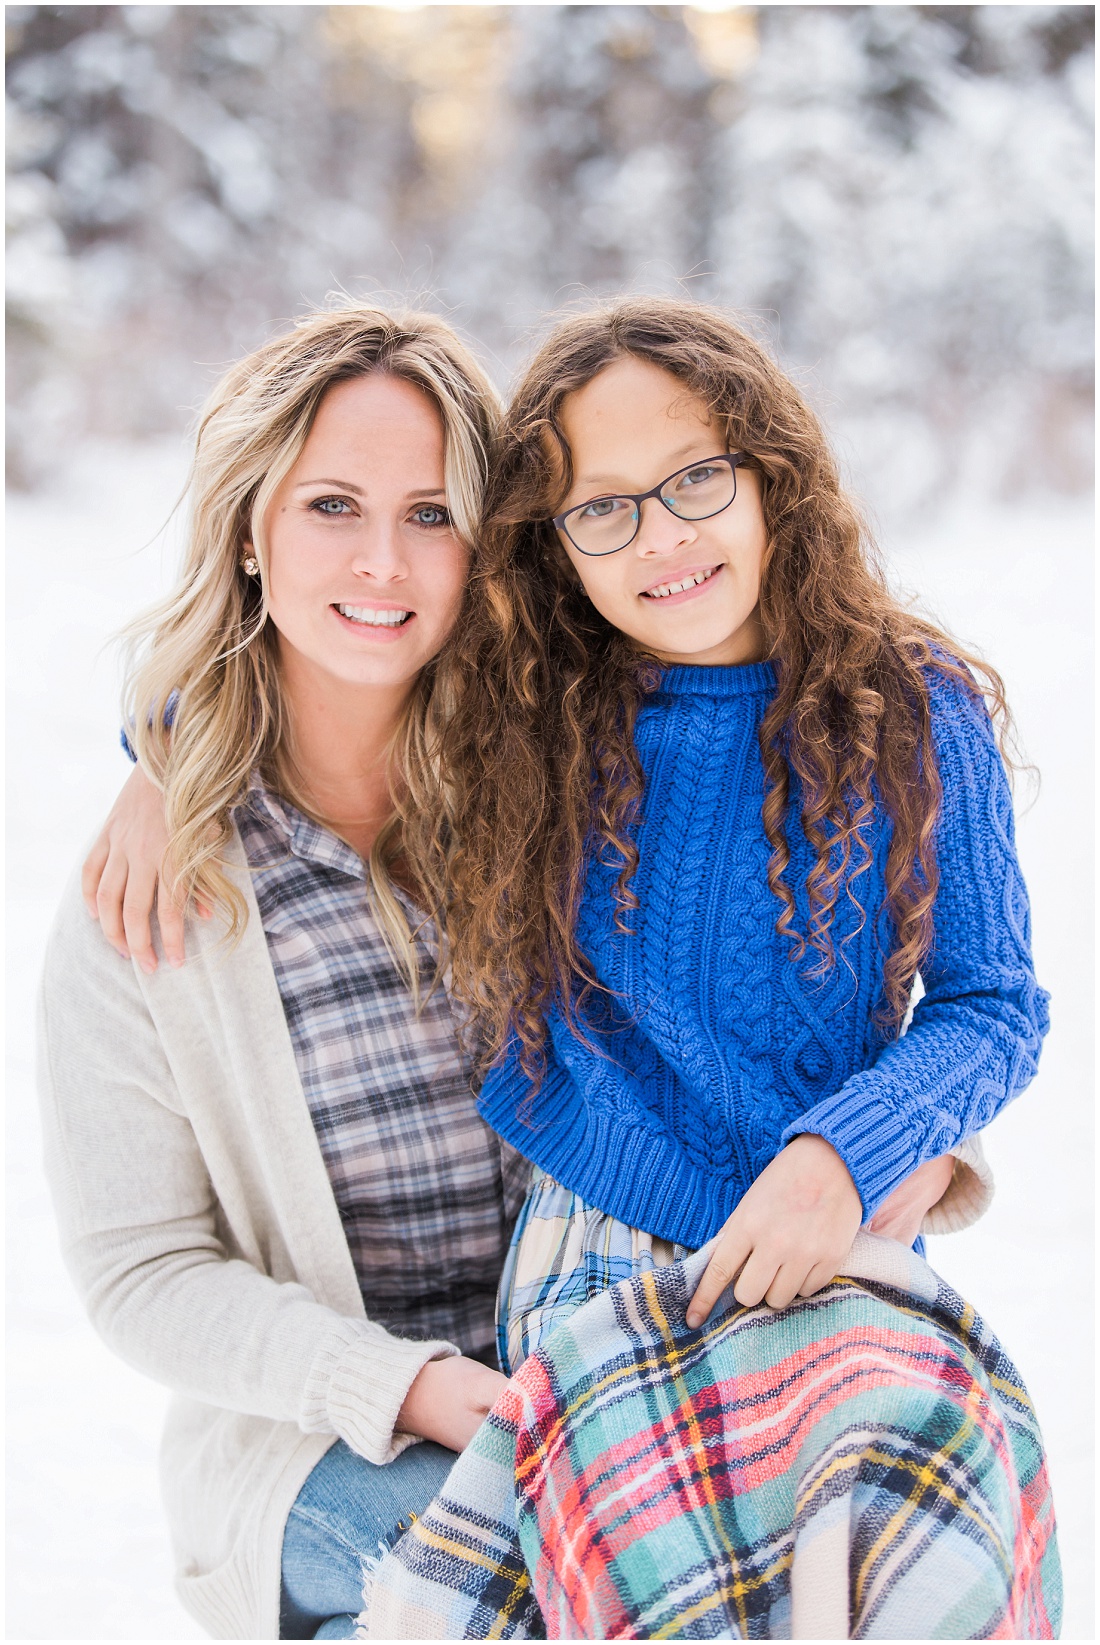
{"x":604,"y":525}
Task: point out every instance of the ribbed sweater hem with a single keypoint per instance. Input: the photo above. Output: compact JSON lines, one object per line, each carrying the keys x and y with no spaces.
{"x":225,"y":1608}
{"x":870,"y":1136}
{"x":625,"y":1171}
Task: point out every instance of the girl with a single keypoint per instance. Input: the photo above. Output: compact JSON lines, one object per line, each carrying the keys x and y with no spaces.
{"x":274,"y":1192}
{"x":720,"y":802}
{"x":717,"y":799}
{"x":123,"y":868}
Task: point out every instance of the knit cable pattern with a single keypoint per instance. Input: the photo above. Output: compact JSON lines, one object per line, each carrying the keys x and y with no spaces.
{"x":713,"y":1047}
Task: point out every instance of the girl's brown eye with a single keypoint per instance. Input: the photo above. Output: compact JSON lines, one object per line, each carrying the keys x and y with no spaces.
{"x":603,"y":506}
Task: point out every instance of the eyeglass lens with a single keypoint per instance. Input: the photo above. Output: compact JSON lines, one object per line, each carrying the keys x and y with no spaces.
{"x":610,"y":523}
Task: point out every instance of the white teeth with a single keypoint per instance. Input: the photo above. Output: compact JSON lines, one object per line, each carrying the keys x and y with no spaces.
{"x":374,"y":619}
{"x":665,"y":589}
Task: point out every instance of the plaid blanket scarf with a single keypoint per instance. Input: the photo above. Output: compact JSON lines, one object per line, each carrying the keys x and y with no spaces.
{"x":865,"y":1464}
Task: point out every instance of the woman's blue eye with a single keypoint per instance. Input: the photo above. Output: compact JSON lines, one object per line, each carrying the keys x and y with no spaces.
{"x":432,"y":515}
{"x":333,"y":507}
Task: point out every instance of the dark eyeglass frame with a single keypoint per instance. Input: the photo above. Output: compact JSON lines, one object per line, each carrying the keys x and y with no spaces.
{"x":735,"y":459}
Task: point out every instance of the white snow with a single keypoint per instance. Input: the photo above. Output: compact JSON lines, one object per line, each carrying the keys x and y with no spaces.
{"x":88,"y":1552}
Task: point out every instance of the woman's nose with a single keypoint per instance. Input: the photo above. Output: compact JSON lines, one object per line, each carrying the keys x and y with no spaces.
{"x":380,"y":552}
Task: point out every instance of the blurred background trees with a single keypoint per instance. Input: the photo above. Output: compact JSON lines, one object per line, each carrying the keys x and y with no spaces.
{"x":897,"y":198}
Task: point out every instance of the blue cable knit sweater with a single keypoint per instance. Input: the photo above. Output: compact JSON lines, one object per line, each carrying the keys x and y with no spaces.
{"x":714,"y":1048}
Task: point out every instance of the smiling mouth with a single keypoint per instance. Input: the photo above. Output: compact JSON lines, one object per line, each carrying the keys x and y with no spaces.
{"x":370,"y":617}
{"x":662,"y":591}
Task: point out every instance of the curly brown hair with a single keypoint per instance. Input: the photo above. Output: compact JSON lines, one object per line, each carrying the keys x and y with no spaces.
{"x":540,"y":747}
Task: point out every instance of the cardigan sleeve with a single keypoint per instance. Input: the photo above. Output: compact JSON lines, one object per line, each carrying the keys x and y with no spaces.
{"x":974,"y":1040}
{"x":145,"y":1243}
{"x":969,"y":1193}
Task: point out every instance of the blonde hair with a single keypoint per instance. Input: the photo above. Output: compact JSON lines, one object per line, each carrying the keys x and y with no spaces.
{"x":203,"y":698}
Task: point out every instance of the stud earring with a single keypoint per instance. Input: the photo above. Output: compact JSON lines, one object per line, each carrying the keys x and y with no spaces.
{"x":251,"y":566}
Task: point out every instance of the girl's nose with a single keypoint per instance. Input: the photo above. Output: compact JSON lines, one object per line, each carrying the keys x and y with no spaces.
{"x":661,"y":531}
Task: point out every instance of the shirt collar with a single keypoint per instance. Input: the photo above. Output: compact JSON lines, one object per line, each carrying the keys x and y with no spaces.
{"x":310,"y":840}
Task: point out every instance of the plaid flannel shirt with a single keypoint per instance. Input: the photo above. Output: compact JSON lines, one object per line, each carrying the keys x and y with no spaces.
{"x":426,"y":1191}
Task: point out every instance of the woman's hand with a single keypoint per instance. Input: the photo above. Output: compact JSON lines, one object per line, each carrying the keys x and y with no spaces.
{"x":122,"y":882}
{"x":902,"y":1212}
{"x":790,"y":1233}
{"x":449,"y":1401}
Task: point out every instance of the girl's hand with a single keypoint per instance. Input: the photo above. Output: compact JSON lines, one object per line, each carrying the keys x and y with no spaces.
{"x":449,"y":1401}
{"x":121,"y":879}
{"x":790,"y":1233}
{"x":900,"y":1215}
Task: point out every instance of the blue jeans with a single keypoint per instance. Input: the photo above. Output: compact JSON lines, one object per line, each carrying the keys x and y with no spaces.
{"x":348,"y":1511}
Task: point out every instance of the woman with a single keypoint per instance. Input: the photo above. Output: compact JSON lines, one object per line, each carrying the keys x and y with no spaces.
{"x":274,"y":1192}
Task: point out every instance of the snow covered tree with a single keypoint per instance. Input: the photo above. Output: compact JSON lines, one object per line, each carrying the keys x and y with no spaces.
{"x":603,"y":175}
{"x":182,"y":176}
{"x":908,"y":202}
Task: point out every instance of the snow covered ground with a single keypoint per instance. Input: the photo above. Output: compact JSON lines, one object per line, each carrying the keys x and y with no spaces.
{"x":88,"y":1553}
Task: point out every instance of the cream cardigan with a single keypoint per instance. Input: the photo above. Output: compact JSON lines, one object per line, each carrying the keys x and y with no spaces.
{"x":199,"y":1226}
{"x":198,"y":1223}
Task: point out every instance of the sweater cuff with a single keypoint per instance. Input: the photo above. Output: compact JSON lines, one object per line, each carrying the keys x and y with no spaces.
{"x":869,"y":1135}
{"x":357,"y":1385}
{"x":969,"y":1193}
